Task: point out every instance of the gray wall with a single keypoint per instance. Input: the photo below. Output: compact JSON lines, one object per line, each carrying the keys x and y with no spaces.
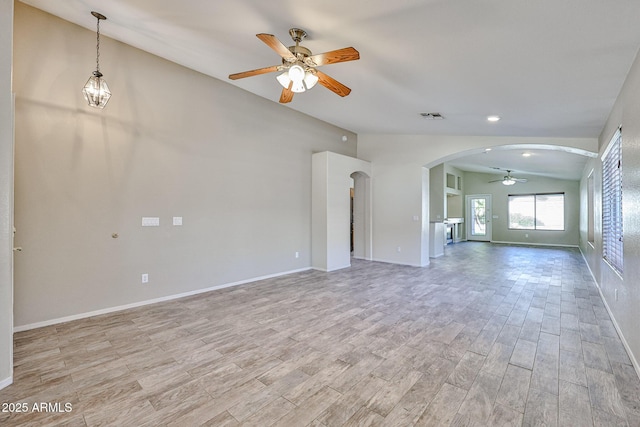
{"x":625,"y":309}
{"x":478,"y":183}
{"x":236,"y":167}
{"x":6,"y":193}
{"x":436,"y":193}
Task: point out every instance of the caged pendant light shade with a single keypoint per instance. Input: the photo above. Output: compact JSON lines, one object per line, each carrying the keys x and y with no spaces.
{"x":96,"y":91}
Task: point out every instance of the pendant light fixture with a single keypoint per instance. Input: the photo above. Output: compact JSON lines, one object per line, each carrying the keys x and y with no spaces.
{"x":96,"y":91}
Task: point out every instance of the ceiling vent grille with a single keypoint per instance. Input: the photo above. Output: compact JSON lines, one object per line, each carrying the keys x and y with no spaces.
{"x":432,"y":116}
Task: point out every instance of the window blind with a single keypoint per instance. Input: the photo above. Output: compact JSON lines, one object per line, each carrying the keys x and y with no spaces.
{"x":612,"y":236}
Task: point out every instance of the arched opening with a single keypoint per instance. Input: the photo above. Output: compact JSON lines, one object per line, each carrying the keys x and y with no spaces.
{"x":360,"y":216}
{"x":477,"y":175}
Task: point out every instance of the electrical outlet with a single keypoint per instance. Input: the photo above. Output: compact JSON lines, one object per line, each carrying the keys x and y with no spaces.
{"x":526,"y":235}
{"x":145,"y":278}
{"x":399,"y":249}
{"x":297,"y":254}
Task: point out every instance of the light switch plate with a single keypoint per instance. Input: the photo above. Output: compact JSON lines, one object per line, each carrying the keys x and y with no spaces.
{"x":150,"y":221}
{"x":177,"y":220}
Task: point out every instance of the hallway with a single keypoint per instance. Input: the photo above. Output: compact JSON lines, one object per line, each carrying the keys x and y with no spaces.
{"x":487,"y":334}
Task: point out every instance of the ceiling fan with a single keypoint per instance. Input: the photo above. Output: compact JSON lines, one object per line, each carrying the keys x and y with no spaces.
{"x":508,"y":179}
{"x":298,"y":66}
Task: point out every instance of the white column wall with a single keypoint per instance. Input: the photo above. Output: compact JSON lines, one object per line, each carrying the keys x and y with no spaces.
{"x":330,"y":206}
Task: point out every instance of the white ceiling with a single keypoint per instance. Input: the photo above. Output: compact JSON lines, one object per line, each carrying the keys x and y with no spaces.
{"x":549,"y":68}
{"x":549,"y":162}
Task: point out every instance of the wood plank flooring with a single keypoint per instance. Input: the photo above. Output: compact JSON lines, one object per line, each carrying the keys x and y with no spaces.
{"x":486,"y":335}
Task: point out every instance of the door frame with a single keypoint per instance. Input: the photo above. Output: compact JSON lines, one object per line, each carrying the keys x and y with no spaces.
{"x":488,"y":211}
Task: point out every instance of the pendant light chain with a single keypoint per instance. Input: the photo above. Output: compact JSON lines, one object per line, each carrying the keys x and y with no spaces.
{"x":98,"y":47}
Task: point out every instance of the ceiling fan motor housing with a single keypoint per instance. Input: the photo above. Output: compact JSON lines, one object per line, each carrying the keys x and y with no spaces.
{"x":300,"y":52}
{"x":297,"y":34}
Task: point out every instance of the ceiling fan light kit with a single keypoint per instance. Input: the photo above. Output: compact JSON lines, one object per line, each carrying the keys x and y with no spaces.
{"x":298,"y":68}
{"x":297,"y":79}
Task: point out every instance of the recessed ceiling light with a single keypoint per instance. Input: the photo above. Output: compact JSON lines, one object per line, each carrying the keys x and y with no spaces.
{"x":526,"y":154}
{"x":493,"y":118}
{"x":486,"y":150}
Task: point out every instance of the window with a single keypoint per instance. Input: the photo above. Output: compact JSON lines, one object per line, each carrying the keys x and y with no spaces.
{"x":590,"y":212}
{"x":612,"y":203}
{"x":536,"y":212}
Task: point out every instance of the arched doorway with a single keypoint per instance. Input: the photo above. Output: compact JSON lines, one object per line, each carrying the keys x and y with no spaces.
{"x":360,"y":216}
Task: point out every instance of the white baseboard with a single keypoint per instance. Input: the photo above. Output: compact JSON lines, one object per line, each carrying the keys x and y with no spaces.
{"x":634,"y":361}
{"x":147,"y":302}
{"x":559,"y":245}
{"x":6,"y":382}
{"x":324,"y":270}
{"x":397,"y":263}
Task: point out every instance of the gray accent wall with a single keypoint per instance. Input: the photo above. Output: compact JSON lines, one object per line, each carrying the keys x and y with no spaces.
{"x":171,"y":143}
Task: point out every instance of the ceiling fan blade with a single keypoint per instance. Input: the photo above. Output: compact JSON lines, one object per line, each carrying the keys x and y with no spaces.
{"x":287,"y":94}
{"x":275,"y":44}
{"x":519,"y":179}
{"x":332,"y":84}
{"x":340,"y":55}
{"x":251,"y":73}
{"x":497,"y":180}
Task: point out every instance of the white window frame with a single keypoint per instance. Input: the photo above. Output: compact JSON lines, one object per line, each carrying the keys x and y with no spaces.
{"x":535,"y":225}
{"x":612,"y":231}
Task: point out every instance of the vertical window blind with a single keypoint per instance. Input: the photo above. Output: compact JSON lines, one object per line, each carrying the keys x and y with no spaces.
{"x":612,"y":237}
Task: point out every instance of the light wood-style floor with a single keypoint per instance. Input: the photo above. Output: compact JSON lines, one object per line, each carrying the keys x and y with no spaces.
{"x":486,"y":335}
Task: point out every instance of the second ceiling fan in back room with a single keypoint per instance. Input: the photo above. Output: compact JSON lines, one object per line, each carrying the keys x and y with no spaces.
{"x":298,"y":66}
{"x":508,"y":179}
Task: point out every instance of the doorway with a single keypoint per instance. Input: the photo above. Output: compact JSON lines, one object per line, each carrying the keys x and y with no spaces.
{"x":360,"y":214}
{"x":479,"y":217}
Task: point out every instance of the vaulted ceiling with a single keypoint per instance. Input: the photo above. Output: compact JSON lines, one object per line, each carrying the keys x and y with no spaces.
{"x":548,"y":68}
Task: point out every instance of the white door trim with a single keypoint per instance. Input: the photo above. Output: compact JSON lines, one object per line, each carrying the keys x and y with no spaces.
{"x":487,"y":237}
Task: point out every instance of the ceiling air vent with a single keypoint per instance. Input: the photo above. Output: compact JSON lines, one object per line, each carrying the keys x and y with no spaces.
{"x":432,"y":116}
